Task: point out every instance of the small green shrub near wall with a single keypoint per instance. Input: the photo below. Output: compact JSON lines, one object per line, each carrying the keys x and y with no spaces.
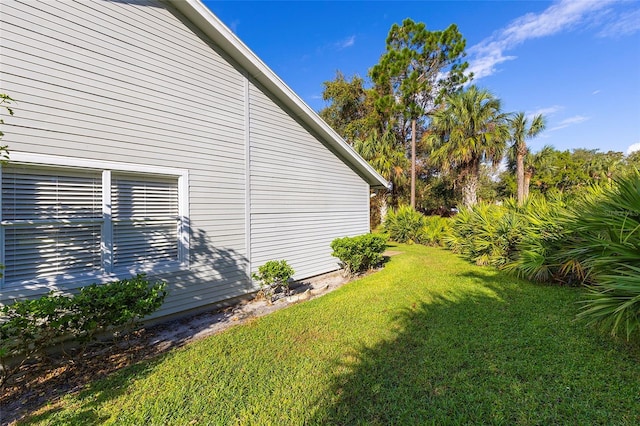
{"x":359,"y":254}
{"x":29,"y":327}
{"x":273,"y":275}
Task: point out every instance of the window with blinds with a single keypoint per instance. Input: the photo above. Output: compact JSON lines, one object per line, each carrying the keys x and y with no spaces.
{"x":145,"y":219}
{"x":60,"y":223}
{"x":52,"y":222}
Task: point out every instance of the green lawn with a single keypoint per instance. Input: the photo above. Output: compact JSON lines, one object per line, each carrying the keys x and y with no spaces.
{"x":430,"y":339}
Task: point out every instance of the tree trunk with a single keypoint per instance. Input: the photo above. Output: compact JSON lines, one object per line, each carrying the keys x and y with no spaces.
{"x":413,"y":163}
{"x":470,"y":190}
{"x":527,"y":183}
{"x":384,"y":207}
{"x":520,"y":176}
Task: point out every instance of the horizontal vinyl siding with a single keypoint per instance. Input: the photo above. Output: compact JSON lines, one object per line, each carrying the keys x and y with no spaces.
{"x":130,"y":82}
{"x":302,"y":195}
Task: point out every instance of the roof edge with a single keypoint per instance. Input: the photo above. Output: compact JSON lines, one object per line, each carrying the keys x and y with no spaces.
{"x":213,"y":27}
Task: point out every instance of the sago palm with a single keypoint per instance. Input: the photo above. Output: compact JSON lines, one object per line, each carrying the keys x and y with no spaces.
{"x":470,"y":130}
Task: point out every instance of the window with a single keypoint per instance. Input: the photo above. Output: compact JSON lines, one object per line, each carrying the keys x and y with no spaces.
{"x":74,"y":223}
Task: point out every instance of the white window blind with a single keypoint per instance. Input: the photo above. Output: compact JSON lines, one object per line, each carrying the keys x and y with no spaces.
{"x":82,"y":222}
{"x":145,"y":219}
{"x":52,"y":222}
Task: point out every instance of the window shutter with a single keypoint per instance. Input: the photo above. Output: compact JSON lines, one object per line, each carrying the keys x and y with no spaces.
{"x":52,"y":222}
{"x":145,"y":219}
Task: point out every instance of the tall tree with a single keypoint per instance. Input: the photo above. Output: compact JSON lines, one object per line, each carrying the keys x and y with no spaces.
{"x":418,"y":68}
{"x":520,"y":132}
{"x":469,"y":131}
{"x":350,"y":110}
{"x":541,"y":160}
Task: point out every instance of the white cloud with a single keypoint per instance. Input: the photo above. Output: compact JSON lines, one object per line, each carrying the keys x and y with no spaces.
{"x":562,"y":16}
{"x":347,"y":42}
{"x":576,"y":119}
{"x":595,"y":92}
{"x":625,"y":24}
{"x":633,"y":148}
{"x":546,"y":111}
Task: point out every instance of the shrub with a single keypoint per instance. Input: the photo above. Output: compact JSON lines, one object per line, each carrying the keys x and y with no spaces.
{"x":115,"y":306}
{"x":273,"y":275}
{"x":607,"y":240}
{"x":486,"y":234}
{"x":434,"y":231}
{"x":359,"y":254}
{"x":28,"y":327}
{"x":404,"y":225}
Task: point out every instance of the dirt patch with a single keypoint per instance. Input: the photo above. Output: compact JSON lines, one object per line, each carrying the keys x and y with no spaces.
{"x":390,"y":253}
{"x":37,"y":384}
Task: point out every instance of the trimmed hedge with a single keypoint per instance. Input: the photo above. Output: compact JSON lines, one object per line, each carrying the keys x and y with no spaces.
{"x":359,"y":254}
{"x":29,"y":327}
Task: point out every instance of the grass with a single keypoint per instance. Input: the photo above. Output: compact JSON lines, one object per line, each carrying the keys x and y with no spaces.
{"x":430,"y":339}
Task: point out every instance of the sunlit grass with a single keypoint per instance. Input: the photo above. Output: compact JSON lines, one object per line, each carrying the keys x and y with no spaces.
{"x":428,"y":340}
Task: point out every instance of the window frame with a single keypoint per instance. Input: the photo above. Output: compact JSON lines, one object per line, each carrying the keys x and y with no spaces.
{"x":108,"y":272}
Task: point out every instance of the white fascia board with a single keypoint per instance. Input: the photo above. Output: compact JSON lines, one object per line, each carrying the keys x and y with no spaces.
{"x":208,"y":23}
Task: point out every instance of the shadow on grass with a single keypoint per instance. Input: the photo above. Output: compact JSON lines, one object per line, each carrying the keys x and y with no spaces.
{"x":95,"y":395}
{"x":505,"y":352}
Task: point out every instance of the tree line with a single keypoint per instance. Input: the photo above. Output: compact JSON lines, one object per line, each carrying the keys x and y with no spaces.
{"x":439,"y":139}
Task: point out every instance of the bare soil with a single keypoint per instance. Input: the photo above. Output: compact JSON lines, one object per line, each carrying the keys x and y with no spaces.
{"x":46,"y":381}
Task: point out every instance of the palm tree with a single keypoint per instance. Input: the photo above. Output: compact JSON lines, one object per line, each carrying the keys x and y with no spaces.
{"x":388,"y":158}
{"x":519,"y":133}
{"x":468,"y":131}
{"x":536,"y":162}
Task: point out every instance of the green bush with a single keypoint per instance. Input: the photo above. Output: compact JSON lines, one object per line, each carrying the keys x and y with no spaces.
{"x":115,"y":306}
{"x":487,"y":234}
{"x":607,"y":240}
{"x":29,"y":327}
{"x":434,"y":231}
{"x":359,"y":254}
{"x":273,"y":275}
{"x":547,"y":231}
{"x":404,"y":225}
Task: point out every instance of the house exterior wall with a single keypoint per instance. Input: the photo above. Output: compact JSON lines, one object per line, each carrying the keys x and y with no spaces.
{"x":302,"y":195}
{"x":134,"y":82}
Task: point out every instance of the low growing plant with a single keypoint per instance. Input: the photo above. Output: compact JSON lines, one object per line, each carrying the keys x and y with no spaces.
{"x":404,"y":225}
{"x":607,"y":241}
{"x":359,"y":254}
{"x":116,"y":306}
{"x":274,"y":275}
{"x":434,"y":231}
{"x":29,"y":327}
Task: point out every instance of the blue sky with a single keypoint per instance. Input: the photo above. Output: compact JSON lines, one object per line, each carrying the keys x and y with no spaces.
{"x":578,"y":62}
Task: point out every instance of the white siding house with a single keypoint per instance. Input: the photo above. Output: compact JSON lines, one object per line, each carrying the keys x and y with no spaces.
{"x":148,"y":138}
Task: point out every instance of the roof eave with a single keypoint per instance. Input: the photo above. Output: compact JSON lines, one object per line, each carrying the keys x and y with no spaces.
{"x":208,"y":23}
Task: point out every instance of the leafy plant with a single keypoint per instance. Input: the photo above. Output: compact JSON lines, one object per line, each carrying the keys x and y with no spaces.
{"x":29,"y":327}
{"x":608,"y":227}
{"x":359,"y":254}
{"x":404,"y":225}
{"x":434,"y":231}
{"x":273,"y":275}
{"x":115,"y":306}
{"x":5,"y":101}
